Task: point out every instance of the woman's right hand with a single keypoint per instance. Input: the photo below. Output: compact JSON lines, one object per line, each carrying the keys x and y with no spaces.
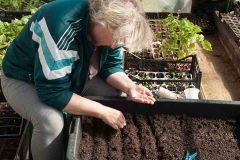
{"x":83,"y":106}
{"x":112,"y":117}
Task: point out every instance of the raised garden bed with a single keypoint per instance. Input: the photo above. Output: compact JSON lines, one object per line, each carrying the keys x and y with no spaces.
{"x":232,"y":23}
{"x":229,"y":35}
{"x":166,"y":130}
{"x":11,"y":124}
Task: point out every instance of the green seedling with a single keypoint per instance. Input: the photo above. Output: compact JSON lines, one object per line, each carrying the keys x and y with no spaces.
{"x":179,"y":37}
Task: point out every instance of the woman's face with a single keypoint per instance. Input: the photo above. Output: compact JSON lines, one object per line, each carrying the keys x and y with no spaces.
{"x":101,"y":36}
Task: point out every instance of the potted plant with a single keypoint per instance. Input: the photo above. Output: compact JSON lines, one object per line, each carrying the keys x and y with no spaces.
{"x":176,"y":38}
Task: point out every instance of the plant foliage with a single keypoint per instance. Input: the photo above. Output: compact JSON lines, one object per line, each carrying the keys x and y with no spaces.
{"x":20,"y":5}
{"x":178,"y":37}
{"x":8,"y":31}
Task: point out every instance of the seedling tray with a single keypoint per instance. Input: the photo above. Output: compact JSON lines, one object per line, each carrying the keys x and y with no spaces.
{"x":166,"y":130}
{"x":186,"y":66}
{"x":204,"y":21}
{"x":175,"y":82}
{"x":7,"y":16}
{"x":232,"y":24}
{"x":11,"y":124}
{"x":148,"y":75}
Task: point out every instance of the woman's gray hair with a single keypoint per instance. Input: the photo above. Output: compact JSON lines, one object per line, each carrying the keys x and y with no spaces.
{"x":126,"y":19}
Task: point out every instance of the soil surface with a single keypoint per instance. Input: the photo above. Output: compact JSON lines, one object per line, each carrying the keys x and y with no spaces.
{"x":160,"y":136}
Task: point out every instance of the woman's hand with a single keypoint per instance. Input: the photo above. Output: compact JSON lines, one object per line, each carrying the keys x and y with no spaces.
{"x":141,"y":94}
{"x":137,"y":93}
{"x":112,"y":117}
{"x":82,"y":106}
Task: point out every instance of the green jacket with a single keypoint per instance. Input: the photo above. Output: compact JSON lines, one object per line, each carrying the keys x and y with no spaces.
{"x":53,"y":52}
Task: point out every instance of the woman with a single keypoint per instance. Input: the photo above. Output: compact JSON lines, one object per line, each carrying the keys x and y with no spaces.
{"x":69,"y":49}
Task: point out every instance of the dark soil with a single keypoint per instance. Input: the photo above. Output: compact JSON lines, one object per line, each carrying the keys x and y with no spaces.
{"x":87,"y":139}
{"x":217,"y":139}
{"x":168,"y":134}
{"x":100,"y":143}
{"x":160,"y":136}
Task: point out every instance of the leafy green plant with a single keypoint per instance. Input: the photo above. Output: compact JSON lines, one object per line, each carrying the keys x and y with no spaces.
{"x":20,"y":5}
{"x":8,"y":31}
{"x":178,"y":38}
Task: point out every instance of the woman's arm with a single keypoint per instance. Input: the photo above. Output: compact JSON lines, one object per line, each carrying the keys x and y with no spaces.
{"x":137,"y":93}
{"x":83,"y":106}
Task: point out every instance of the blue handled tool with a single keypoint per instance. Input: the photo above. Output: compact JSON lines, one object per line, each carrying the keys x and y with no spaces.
{"x":191,"y":156}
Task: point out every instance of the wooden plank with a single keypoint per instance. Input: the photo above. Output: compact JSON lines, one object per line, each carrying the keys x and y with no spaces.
{"x":219,"y":78}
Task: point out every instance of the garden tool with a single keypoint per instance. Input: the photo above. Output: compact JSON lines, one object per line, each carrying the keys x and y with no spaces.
{"x":191,"y":156}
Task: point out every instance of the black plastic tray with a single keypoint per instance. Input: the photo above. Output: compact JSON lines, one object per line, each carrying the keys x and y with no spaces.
{"x":235,"y":33}
{"x":204,"y":21}
{"x":11,"y":124}
{"x":197,"y":108}
{"x":190,"y":62}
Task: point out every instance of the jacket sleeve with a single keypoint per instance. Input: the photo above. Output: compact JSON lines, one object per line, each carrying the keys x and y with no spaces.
{"x":56,"y":92}
{"x":112,"y":62}
{"x":53,"y":65}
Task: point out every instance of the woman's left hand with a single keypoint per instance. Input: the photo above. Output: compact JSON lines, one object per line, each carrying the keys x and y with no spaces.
{"x":141,"y":94}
